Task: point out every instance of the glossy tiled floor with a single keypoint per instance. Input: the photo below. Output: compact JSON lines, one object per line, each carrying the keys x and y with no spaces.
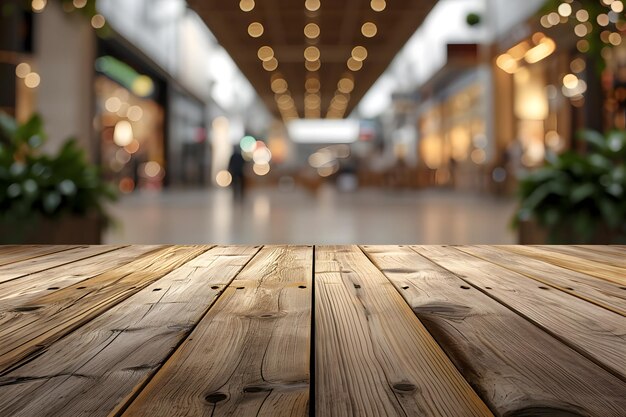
{"x":328,"y":217}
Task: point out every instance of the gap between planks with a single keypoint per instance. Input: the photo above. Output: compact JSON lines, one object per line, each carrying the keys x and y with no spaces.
{"x":45,"y":319}
{"x":263,"y":317}
{"x":116,"y":353}
{"x":365,"y":367}
{"x":499,"y":352}
{"x":594,"y":332}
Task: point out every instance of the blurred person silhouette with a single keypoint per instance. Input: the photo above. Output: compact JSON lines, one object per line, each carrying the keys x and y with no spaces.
{"x":236,"y":167}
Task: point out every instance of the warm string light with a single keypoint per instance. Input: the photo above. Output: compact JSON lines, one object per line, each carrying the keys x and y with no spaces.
{"x":609,"y":20}
{"x":38,"y":5}
{"x":601,"y":23}
{"x":312,"y":63}
{"x":378,"y":5}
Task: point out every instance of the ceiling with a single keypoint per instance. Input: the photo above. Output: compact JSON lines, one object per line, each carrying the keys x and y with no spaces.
{"x":328,"y":88}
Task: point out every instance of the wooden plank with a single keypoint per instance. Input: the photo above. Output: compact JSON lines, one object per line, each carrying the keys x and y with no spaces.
{"x":18,"y":292}
{"x":596,"y":269}
{"x":612,"y":250}
{"x":593,"y":331}
{"x":598,"y":291}
{"x":602,"y":254}
{"x":249,"y":356}
{"x":373,"y":356}
{"x":29,"y":330}
{"x":501,"y":354}
{"x":20,"y":269}
{"x":16,"y":253}
{"x":115,"y":354}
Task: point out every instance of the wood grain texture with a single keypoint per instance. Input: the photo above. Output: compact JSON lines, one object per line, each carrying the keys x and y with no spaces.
{"x":598,"y":291}
{"x":591,"y":330}
{"x":16,"y":293}
{"x":30,"y":329}
{"x":116,"y":353}
{"x":597,"y":269}
{"x":614,"y":251}
{"x":16,"y":253}
{"x":500,"y":353}
{"x":20,"y":269}
{"x":249,"y":356}
{"x":373,"y":356}
{"x":602,"y":254}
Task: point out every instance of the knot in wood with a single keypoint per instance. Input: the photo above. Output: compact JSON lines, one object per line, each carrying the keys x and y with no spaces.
{"x":404,"y":387}
{"x":216,"y":397}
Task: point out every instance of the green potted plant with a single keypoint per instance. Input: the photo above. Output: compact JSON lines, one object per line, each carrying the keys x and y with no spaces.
{"x":44,"y":198}
{"x":577,"y":197}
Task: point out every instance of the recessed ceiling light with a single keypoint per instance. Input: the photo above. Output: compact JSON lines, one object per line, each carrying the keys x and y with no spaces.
{"x":345,"y":85}
{"x":378,"y":5}
{"x":369,"y":29}
{"x":359,"y":53}
{"x":246,"y":5}
{"x":255,"y":29}
{"x":354,"y":65}
{"x":311,"y":53}
{"x":270,"y":65}
{"x":265,"y":53}
{"x":312,"y":5}
{"x":311,"y":31}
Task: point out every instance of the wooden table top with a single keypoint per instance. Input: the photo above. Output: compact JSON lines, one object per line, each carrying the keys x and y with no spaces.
{"x":302,"y":330}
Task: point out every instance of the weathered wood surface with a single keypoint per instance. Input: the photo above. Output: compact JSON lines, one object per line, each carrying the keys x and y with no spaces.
{"x":602,"y":254}
{"x":500,"y":353}
{"x":597,"y":269}
{"x":30,"y":328}
{"x":32,"y":265}
{"x":610,"y":253}
{"x":14,"y":294}
{"x":373,"y":356}
{"x":591,"y":330}
{"x":115,"y":354}
{"x":249,"y":356}
{"x":598,"y":291}
{"x":16,"y":253}
{"x":247,"y":331}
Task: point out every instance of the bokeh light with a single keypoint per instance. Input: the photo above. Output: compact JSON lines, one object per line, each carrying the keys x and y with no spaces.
{"x":223,"y":178}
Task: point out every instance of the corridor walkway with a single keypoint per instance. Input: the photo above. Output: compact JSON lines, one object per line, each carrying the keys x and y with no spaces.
{"x":329,"y":217}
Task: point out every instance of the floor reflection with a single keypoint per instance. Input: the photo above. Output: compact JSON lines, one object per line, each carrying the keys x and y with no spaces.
{"x":328,"y":217}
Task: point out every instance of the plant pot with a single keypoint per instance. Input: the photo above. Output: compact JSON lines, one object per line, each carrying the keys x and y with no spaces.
{"x":65,"y":230}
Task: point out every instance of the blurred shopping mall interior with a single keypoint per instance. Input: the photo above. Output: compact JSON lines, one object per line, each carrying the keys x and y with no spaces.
{"x":294,"y":121}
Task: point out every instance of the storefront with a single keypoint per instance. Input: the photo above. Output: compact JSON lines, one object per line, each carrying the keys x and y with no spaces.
{"x":131,"y":120}
{"x":452,"y":126}
{"x":541,"y":87}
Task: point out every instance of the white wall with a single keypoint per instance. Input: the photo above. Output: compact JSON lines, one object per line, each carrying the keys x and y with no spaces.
{"x":64,"y":51}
